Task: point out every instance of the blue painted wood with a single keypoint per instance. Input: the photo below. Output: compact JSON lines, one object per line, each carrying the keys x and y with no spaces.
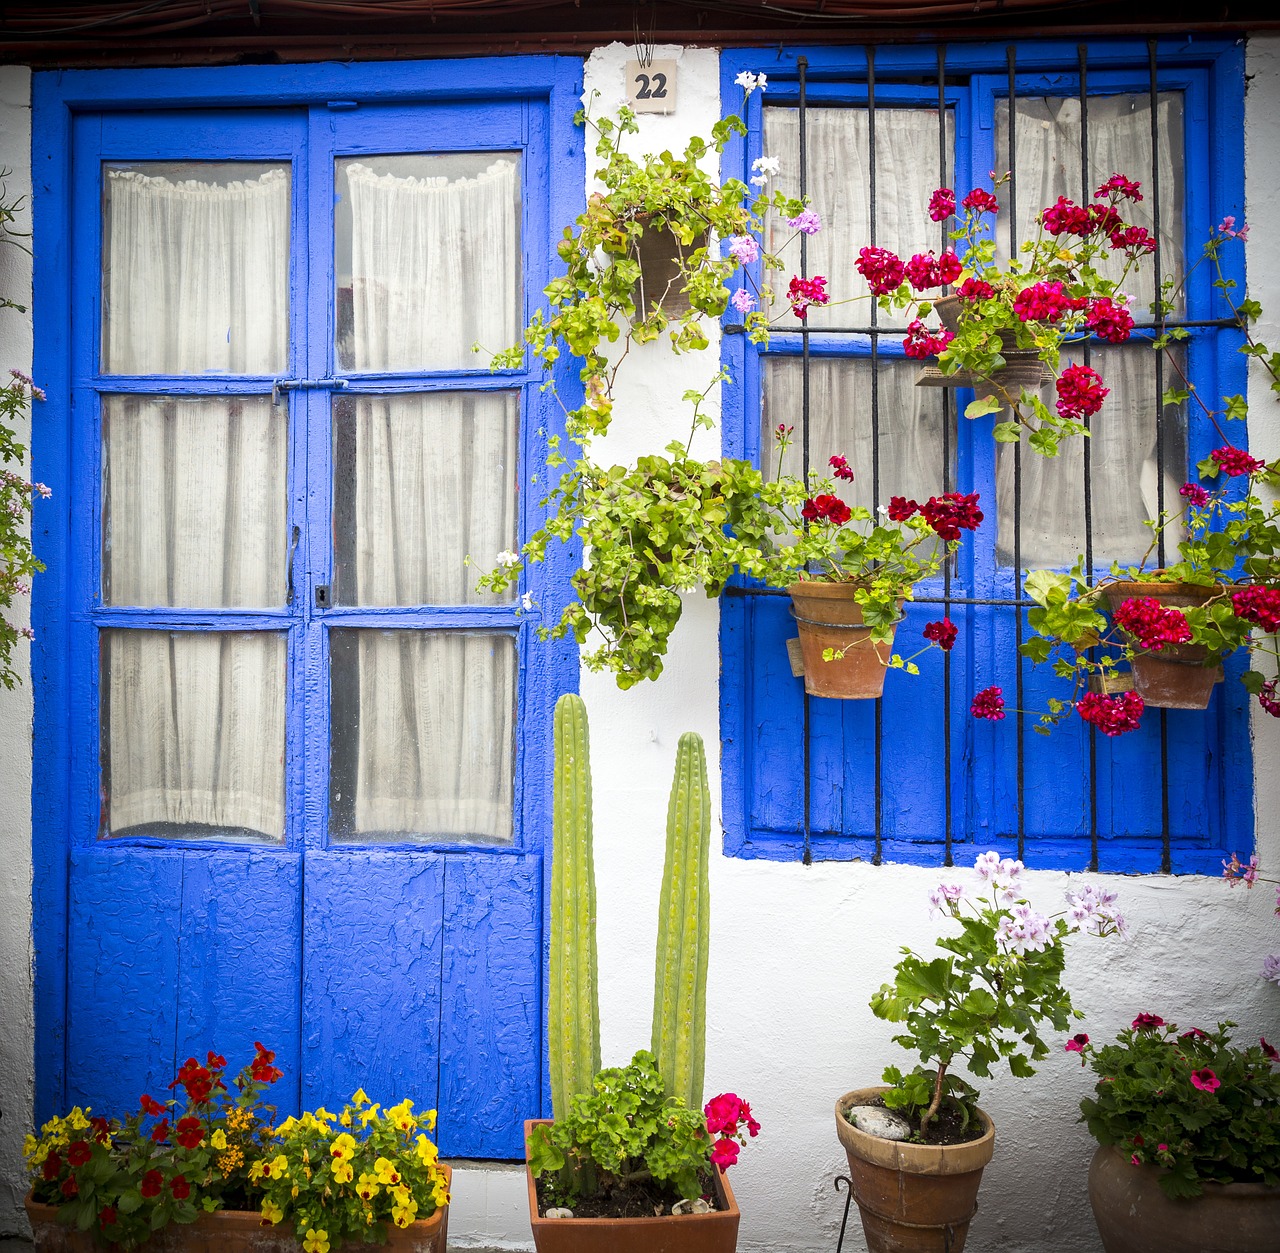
{"x":1209,"y":757}
{"x":489,"y":1078}
{"x":372,"y":940}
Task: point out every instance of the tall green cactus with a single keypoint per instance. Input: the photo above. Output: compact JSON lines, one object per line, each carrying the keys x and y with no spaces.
{"x":684,"y":924}
{"x":573,"y":1015}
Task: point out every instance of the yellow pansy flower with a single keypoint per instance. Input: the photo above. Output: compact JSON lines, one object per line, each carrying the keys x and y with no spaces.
{"x":271,"y":1212}
{"x":367,"y":1187}
{"x":345,"y":1118}
{"x":280,"y":1165}
{"x":426,"y":1151}
{"x":359,"y":1099}
{"x":219,"y":1139}
{"x":429,"y":1120}
{"x":369,"y":1115}
{"x":316,"y":1241}
{"x":440,"y":1194}
{"x":401,"y":1195}
{"x":386,"y":1171}
{"x":342,"y":1171}
{"x":402,"y":1215}
{"x":343,"y":1146}
{"x":323,"y":1114}
{"x":258,"y":1169}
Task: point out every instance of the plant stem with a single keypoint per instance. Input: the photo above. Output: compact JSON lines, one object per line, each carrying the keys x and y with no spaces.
{"x":928,"y":1116}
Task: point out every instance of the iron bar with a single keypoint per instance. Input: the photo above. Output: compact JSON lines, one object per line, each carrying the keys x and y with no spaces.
{"x":943,"y":181}
{"x":875,"y":425}
{"x":802,"y":66}
{"x":737,"y":328}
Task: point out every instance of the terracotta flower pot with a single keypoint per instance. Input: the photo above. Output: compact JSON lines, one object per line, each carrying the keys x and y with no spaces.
{"x":1022,"y":368}
{"x":914,"y":1198}
{"x":234,"y":1231}
{"x":1135,"y":1216}
{"x":1179,"y":676}
{"x":827,"y":616}
{"x":716,"y":1232}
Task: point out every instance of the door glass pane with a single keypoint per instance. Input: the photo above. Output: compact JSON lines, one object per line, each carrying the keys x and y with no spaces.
{"x":427,"y":259}
{"x":193,"y":734}
{"x":1048,"y":165}
{"x":423,"y":736}
{"x":838,"y":183}
{"x":194,"y":502}
{"x":422,"y":484}
{"x":195,"y":267}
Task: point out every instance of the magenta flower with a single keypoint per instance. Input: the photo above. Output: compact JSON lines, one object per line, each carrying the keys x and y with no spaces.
{"x":883,"y":270}
{"x":840,"y":468}
{"x":942,"y":204}
{"x":943,"y":633}
{"x":981,"y":201}
{"x":1205,"y":1080}
{"x":803,"y":292}
{"x":1076,"y":1043}
{"x":921,"y":342}
{"x":1147,"y":1022}
{"x":1121,"y":186}
{"x":1112,"y":715}
{"x":1195,"y":494}
{"x":1236,"y":462}
{"x":988,"y":704}
{"x":1080,"y":392}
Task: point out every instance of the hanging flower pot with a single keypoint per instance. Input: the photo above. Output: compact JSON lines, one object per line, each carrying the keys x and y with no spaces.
{"x":1177,"y":676}
{"x":1021,"y":371}
{"x":829,"y":619}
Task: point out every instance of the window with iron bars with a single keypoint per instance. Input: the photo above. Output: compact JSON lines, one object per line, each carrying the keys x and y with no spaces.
{"x":867,"y":134}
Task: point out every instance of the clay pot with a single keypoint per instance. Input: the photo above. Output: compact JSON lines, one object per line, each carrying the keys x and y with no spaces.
{"x":1179,"y":676}
{"x":234,"y":1231}
{"x":1022,"y":368}
{"x":1135,"y":1216}
{"x":914,"y":1198}
{"x":827,"y":616}
{"x":716,"y":1232}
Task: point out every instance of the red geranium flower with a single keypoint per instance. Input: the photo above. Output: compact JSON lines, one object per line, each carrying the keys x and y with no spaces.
{"x":943,"y":633}
{"x":1236,"y":462}
{"x":942,"y":204}
{"x":724,"y":1153}
{"x":1120,"y":185}
{"x":1269,"y":1050}
{"x":882,"y":270}
{"x":951,"y":513}
{"x":900,"y":509}
{"x":1076,"y":1043}
{"x":988,"y":704}
{"x":1112,"y":715}
{"x":1147,"y":1022}
{"x":1080,"y":392}
{"x":840,"y":468}
{"x":826,"y":508}
{"x":78,"y":1153}
{"x":981,"y":200}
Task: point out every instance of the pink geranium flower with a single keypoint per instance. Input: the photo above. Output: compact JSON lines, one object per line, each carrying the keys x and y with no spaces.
{"x":1205,"y":1080}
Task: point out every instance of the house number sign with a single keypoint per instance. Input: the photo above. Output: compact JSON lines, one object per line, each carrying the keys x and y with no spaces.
{"x":651,"y":88}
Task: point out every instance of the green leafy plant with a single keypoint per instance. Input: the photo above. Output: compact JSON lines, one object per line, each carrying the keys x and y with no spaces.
{"x":1189,"y":1103}
{"x":166,"y":1163}
{"x":985,"y":999}
{"x":346,"y":1177}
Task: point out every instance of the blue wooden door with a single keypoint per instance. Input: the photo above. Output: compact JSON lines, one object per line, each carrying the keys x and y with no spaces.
{"x":307,"y":785}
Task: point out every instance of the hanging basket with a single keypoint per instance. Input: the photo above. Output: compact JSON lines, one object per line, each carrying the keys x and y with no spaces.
{"x":828,"y":617}
{"x":1023,"y":370}
{"x":1179,"y":676}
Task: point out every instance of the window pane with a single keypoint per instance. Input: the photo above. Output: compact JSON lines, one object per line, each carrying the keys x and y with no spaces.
{"x":421,"y":484}
{"x":837,"y":149}
{"x":195,"y":268}
{"x":193,"y":502}
{"x":193,"y":734}
{"x":1123,"y":468}
{"x":427,"y":259}
{"x":910,"y":422}
{"x":1048,"y":166}
{"x":423,"y":736}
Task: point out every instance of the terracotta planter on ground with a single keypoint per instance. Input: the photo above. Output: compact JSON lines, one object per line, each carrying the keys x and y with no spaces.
{"x":1179,"y":676}
{"x":827,"y":616}
{"x":1135,"y":1216}
{"x":234,"y":1231}
{"x":914,"y":1198}
{"x":716,"y":1232}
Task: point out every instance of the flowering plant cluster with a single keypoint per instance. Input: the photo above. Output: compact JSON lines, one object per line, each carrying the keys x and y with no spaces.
{"x":1187,"y":1102}
{"x":165,"y":1163}
{"x":984,"y":1000}
{"x":627,"y":1131}
{"x":1248,"y":872}
{"x":1057,"y":293}
{"x":348,"y":1176}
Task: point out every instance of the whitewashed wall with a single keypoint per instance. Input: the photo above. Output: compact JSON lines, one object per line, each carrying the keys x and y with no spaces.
{"x":797,"y":950}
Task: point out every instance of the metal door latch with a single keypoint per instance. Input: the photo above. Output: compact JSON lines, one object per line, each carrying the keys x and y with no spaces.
{"x":298,"y":385}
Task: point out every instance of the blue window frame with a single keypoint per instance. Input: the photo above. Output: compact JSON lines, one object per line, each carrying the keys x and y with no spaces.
{"x":414,"y":965}
{"x":912,"y":777}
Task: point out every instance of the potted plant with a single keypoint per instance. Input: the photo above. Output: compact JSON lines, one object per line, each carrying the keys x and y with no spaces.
{"x":1005,"y":326}
{"x":631,"y":1162}
{"x":917,"y":1147}
{"x":1188,"y":1131}
{"x":207,"y":1175}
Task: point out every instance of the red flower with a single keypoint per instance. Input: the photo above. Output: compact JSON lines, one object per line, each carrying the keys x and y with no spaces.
{"x":949,"y":267}
{"x":981,"y":201}
{"x":216,"y":1061}
{"x":180,"y":1188}
{"x":900,"y":509}
{"x":101,"y":1129}
{"x":924,"y":270}
{"x":1076,"y":1043}
{"x":882,"y":270}
{"x":1269,"y":1050}
{"x":951,"y":513}
{"x":196,"y":1079}
{"x":1258,"y":604}
{"x":151,"y":1106}
{"x":79,"y":1153}
{"x":1151,"y":624}
{"x":921,"y":343}
{"x":975,"y":289}
{"x":943,"y":633}
{"x":70,"y":1187}
{"x":1121,"y":186}
{"x":160,"y":1131}
{"x":1195,"y":494}
{"x":826,"y":509}
{"x":52,"y":1166}
{"x":1147,"y":1022}
{"x":1104,"y":219}
{"x":1112,"y":715}
{"x":1065,"y":218}
{"x":942,"y":204}
{"x":988,"y":704}
{"x":804,"y":292}
{"x":1109,"y":321}
{"x":1042,"y":302}
{"x":1204,"y":1079}
{"x":724,"y":1153}
{"x":107,"y":1216}
{"x":1133,"y":240}
{"x":1267,"y":698}
{"x":840,"y":468}
{"x":190,"y":1132}
{"x":1235,"y":461}
{"x":261,"y":1069}
{"x":151,"y":1184}
{"x":1080,"y":392}
{"x":1194,"y":1034}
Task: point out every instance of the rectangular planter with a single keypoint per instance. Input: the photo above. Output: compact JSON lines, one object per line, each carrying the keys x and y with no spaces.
{"x":716,"y":1232}
{"x":233,"y":1231}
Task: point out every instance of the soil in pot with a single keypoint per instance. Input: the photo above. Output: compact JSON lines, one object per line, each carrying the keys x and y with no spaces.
{"x":947,"y":1127}
{"x":646,"y":1199}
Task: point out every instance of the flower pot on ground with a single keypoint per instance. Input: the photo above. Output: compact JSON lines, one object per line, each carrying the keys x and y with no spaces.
{"x":1178,"y":676}
{"x":842,"y":659}
{"x":713,"y":1232}
{"x":913,"y":1198}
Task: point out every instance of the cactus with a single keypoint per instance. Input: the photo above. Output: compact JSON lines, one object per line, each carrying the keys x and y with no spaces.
{"x":680,"y":981}
{"x":573,"y":1015}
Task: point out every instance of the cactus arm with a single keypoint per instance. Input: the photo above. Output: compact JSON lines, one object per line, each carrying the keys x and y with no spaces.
{"x":573,"y":1012}
{"x":680,"y":975}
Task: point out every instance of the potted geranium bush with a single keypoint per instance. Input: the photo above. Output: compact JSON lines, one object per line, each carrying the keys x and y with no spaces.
{"x":1188,"y":1131}
{"x":918,"y":1146}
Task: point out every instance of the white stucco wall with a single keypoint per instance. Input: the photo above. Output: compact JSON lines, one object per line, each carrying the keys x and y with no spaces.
{"x":16,"y":1022}
{"x":797,"y":951}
